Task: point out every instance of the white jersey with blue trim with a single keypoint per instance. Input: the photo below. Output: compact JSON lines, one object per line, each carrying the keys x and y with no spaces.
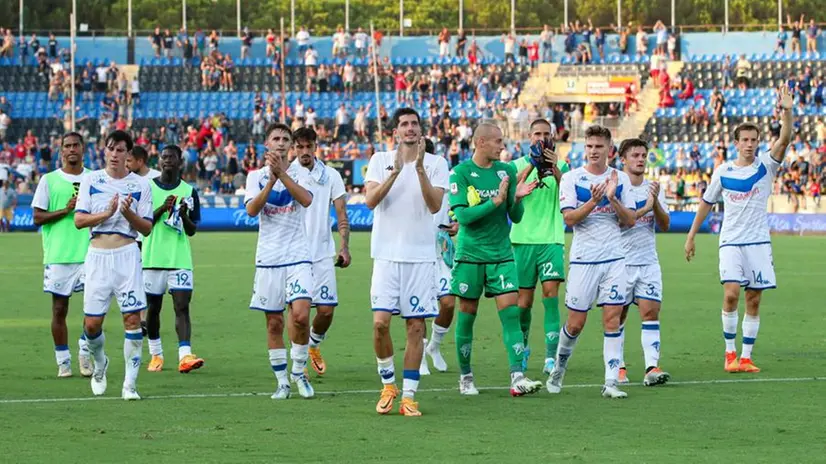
{"x":282,"y":233}
{"x":745,"y":191}
{"x":326,"y":185}
{"x":150,"y":174}
{"x":597,"y":238}
{"x":96,"y":191}
{"x":639,"y":242}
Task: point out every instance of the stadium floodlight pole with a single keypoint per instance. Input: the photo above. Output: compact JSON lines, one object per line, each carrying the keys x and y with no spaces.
{"x":513,"y":17}
{"x":347,"y":15}
{"x":401,"y":18}
{"x":72,"y":63}
{"x":238,"y":16}
{"x":779,"y":13}
{"x":292,"y":18}
{"x":673,"y":15}
{"x":21,"y":22}
{"x":565,"y":13}
{"x":726,"y":15}
{"x":283,"y":116}
{"x":376,"y":77}
{"x":619,"y":13}
{"x":183,"y":14}
{"x":461,"y":14}
{"x":129,"y":18}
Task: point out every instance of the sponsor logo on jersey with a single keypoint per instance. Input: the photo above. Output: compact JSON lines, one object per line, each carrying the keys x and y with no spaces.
{"x":742,"y":196}
{"x":473,"y":174}
{"x":454,"y":189}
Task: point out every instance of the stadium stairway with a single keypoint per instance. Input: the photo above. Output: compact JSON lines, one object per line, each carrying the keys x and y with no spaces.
{"x":649,"y":100}
{"x":537,"y":85}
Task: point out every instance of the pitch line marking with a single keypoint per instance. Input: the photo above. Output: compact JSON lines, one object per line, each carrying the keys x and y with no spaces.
{"x":426,"y":390}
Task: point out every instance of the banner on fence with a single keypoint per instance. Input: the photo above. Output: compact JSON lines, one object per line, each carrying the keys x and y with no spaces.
{"x":361,"y":219}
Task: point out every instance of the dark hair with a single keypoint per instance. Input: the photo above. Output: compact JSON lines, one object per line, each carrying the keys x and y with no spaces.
{"x":306,"y":134}
{"x":139,"y":153}
{"x":277,"y":126}
{"x":598,"y":131}
{"x":429,"y":147}
{"x":628,"y":144}
{"x":540,"y":121}
{"x":173,"y":148}
{"x":746,"y":126}
{"x":404,"y":112}
{"x":120,"y":136}
{"x":70,"y":134}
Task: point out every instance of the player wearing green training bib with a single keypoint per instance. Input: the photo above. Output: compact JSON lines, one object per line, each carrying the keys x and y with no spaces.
{"x":484,"y":193}
{"x":64,"y":247}
{"x":539,"y":246}
{"x":167,"y":258}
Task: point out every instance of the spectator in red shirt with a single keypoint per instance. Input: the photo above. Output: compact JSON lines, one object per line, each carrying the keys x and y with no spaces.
{"x":401,"y":86}
{"x":533,"y":54}
{"x":30,"y":141}
{"x":630,"y":99}
{"x":688,"y":90}
{"x":20,"y":150}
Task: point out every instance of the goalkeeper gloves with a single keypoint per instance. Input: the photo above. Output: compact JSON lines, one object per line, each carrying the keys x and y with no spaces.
{"x":473,"y":197}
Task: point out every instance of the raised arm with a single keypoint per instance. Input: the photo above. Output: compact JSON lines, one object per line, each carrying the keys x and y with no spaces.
{"x":256,"y":196}
{"x":785,"y":101}
{"x":432,"y":195}
{"x":377,"y":189}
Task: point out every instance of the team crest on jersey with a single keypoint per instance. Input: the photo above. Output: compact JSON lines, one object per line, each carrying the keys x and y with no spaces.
{"x":463,"y":288}
{"x":502,"y":174}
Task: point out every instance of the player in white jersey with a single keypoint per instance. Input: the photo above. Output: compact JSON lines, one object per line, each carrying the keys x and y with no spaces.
{"x":115,"y":205}
{"x":404,"y":188}
{"x":283,"y":265}
{"x":595,"y":202}
{"x":327,"y":187}
{"x":64,"y":247}
{"x":136,"y":161}
{"x":745,"y":186}
{"x":445,"y":249}
{"x":642,"y":265}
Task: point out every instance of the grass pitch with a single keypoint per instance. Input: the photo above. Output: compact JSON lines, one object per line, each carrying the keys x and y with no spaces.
{"x":223,"y":413}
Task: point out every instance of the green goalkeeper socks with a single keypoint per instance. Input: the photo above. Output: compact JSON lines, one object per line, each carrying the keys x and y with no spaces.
{"x":512,"y":334}
{"x":525,"y":323}
{"x":551,"y":326}
{"x":464,"y":340}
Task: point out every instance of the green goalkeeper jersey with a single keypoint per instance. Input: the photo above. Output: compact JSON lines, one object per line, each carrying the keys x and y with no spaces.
{"x":543,"y":223}
{"x":484,"y":229}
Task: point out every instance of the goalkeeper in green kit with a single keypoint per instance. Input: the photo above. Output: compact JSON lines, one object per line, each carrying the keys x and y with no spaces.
{"x":539,"y":240}
{"x":484,"y":193}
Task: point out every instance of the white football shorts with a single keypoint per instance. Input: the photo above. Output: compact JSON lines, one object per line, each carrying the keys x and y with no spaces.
{"x":752,"y":266}
{"x":645,"y":282}
{"x":404,"y":289}
{"x":115,"y":273}
{"x":63,"y":279}
{"x":442,"y":279}
{"x":604,"y":283}
{"x":160,"y":281}
{"x":275,"y":287}
{"x":325,"y":290}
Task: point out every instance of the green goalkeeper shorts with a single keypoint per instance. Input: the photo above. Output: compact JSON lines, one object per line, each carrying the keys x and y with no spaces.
{"x":539,"y":262}
{"x":468,"y":280}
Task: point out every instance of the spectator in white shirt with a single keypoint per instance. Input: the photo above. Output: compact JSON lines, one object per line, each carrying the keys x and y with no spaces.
{"x":342,"y":122}
{"x":302,"y":37}
{"x":310,"y":56}
{"x":361,"y":40}
{"x":510,"y":48}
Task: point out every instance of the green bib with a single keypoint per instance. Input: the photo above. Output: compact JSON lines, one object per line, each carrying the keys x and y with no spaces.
{"x":63,"y":243}
{"x":167,"y":247}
